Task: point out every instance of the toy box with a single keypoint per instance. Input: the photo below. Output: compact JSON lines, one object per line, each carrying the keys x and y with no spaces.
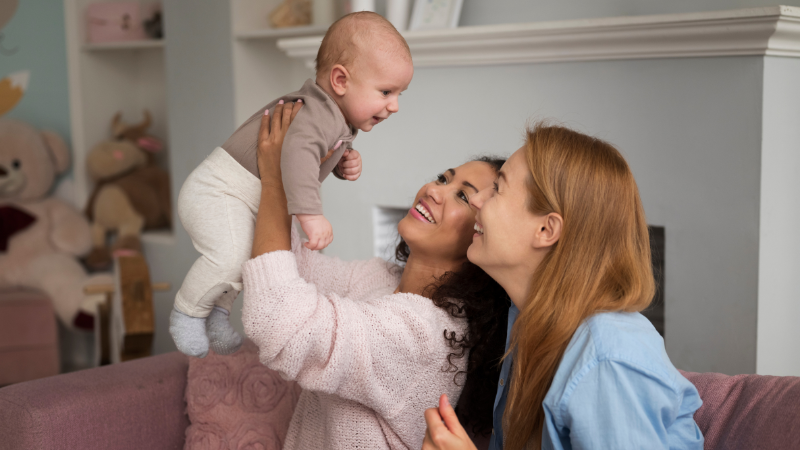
{"x":114,"y":21}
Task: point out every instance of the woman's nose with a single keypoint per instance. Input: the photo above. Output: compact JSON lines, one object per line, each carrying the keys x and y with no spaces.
{"x":435,"y":193}
{"x":476,"y":201}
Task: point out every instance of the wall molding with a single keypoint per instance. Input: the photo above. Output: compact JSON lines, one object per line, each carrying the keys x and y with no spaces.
{"x":767,"y":31}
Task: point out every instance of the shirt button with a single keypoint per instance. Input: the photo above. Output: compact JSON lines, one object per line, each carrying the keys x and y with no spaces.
{"x":502,"y":382}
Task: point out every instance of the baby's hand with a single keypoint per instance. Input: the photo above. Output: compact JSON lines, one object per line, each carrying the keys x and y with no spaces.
{"x":318,"y":230}
{"x":350,"y":165}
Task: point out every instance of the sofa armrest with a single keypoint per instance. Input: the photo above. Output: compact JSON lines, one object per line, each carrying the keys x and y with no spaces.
{"x":743,"y":412}
{"x":133,"y":405}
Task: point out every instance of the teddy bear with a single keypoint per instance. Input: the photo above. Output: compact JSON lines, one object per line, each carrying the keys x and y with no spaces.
{"x":41,"y":237}
{"x":131,"y":192}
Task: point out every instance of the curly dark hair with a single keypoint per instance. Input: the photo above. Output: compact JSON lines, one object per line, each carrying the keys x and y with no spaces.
{"x":472,"y":294}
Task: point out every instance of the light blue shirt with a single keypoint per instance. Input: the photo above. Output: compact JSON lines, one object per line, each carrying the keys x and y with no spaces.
{"x":615,"y":388}
{"x":496,"y":440}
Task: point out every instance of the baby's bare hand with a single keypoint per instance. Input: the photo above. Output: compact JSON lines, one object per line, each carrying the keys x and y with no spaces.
{"x":318,"y":230}
{"x":350,"y":165}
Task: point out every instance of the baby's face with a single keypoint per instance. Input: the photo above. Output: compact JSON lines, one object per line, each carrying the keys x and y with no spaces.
{"x":374,"y":88}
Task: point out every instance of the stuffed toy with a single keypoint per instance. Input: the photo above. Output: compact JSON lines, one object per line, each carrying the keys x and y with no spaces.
{"x":131,"y":193}
{"x":40,"y":236}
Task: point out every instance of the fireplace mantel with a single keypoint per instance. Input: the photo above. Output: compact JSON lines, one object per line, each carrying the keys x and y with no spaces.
{"x":770,"y":31}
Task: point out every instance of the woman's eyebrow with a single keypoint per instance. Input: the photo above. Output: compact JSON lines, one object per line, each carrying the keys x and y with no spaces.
{"x":452,"y":173}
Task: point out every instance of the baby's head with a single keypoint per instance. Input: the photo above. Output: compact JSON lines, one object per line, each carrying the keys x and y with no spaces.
{"x":364,"y":64}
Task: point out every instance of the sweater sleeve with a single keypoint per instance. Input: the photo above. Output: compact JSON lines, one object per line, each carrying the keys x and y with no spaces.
{"x":332,"y":275}
{"x":363,"y":351}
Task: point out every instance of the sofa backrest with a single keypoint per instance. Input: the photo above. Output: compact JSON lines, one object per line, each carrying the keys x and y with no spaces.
{"x":748,"y":412}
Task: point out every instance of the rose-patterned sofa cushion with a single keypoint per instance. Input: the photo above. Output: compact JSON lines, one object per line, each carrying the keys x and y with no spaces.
{"x":234,"y":402}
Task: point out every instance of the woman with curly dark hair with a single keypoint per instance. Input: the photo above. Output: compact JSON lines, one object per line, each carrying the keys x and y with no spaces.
{"x":373,"y":344}
{"x":470,"y":293}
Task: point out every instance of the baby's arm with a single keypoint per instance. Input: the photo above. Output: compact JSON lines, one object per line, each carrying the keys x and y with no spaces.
{"x":303,"y":148}
{"x":318,"y":230}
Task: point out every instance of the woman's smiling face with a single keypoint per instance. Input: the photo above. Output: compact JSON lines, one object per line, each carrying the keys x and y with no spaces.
{"x":505,"y":225}
{"x":441,"y":223}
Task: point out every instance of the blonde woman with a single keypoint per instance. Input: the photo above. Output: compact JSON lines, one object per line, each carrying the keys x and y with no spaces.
{"x":563,"y":231}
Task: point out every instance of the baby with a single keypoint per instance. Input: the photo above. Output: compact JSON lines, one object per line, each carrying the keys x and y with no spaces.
{"x":363,"y":65}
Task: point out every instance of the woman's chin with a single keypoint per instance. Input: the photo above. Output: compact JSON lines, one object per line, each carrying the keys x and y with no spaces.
{"x":474,"y":253}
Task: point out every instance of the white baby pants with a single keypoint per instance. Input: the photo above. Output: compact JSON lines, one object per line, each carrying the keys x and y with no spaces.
{"x":217,"y":206}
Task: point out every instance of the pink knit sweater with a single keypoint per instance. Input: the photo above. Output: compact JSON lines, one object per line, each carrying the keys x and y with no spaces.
{"x":369,"y":361}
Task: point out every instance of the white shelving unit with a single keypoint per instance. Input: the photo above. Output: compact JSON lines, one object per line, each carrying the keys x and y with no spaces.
{"x":103,"y":80}
{"x":261,"y":71}
{"x":127,"y":45}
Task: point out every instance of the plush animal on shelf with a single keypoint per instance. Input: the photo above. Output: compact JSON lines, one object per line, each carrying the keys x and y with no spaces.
{"x":41,"y":237}
{"x":131,"y":193}
{"x":291,"y":13}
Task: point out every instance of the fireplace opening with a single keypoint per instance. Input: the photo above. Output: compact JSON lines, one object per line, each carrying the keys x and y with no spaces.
{"x":655,"y":312}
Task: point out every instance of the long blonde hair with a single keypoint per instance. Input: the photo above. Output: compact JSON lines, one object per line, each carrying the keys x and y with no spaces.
{"x":601,"y":262}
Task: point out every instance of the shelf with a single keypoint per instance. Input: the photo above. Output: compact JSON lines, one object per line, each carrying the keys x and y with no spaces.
{"x":772,"y":31}
{"x":125,"y":45}
{"x":274,"y":33}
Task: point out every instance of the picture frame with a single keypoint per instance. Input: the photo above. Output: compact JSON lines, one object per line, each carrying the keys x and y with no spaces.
{"x":435,"y":14}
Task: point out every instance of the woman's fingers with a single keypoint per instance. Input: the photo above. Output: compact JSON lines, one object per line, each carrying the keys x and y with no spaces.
{"x":448,"y":414}
{"x":444,"y":431}
{"x":427,"y":443}
{"x":286,"y":117}
{"x":277,"y":115}
{"x":437,"y":431}
{"x":296,"y":108}
{"x":263,"y":132}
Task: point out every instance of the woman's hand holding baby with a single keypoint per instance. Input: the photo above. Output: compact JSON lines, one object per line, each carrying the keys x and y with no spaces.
{"x":350,"y":165}
{"x":270,"y":141}
{"x":273,"y":213}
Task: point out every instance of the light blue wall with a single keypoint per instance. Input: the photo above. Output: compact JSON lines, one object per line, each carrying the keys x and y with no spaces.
{"x":37,"y":31}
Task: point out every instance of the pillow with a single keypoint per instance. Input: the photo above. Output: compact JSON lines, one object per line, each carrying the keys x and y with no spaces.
{"x":234,"y":402}
{"x":748,"y":411}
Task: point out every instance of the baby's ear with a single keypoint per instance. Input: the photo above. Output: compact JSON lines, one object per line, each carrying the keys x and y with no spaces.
{"x":58,"y":150}
{"x":339,"y":78}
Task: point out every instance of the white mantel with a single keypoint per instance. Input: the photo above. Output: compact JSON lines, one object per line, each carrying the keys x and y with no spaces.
{"x":771,"y":31}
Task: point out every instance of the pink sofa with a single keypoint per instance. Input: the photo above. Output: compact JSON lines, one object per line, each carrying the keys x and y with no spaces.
{"x":140,"y":404}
